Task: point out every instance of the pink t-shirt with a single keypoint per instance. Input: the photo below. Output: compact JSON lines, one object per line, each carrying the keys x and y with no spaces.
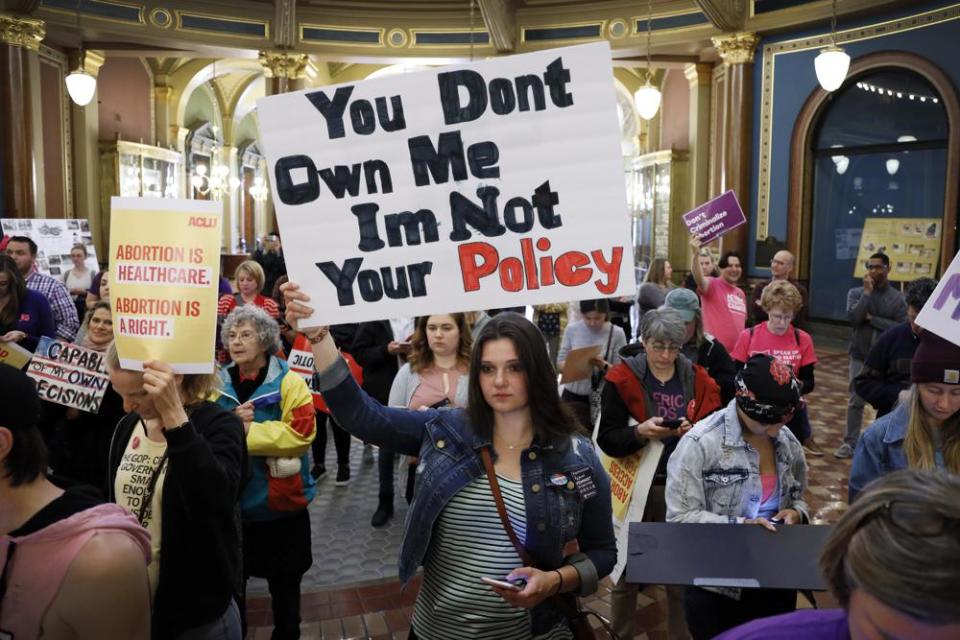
{"x":785,"y":348}
{"x":724,"y":311}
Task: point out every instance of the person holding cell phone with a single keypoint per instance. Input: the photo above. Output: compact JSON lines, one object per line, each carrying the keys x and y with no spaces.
{"x":276,"y":409}
{"x":741,"y":466}
{"x":435,"y":373}
{"x":515,"y":437}
{"x":654,"y":394}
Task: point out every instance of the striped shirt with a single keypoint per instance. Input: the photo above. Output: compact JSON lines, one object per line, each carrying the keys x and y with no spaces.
{"x":469,"y":542}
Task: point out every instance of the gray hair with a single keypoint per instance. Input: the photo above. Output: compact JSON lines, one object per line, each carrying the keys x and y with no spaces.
{"x":663,"y":324}
{"x":268,"y":331}
{"x":911,"y":573}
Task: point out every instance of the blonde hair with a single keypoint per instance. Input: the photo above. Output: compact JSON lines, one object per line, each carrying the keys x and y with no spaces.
{"x":194,"y":387}
{"x":252,"y":269}
{"x":781,"y":294}
{"x":918,"y":443}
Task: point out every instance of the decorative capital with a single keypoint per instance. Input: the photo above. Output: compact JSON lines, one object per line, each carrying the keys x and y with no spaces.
{"x":91,"y":61}
{"x":736,"y":48}
{"x":22,"y":32}
{"x":162,"y":92}
{"x":281,"y":64}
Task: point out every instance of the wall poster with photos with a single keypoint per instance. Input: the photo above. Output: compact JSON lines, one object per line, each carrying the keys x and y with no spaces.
{"x":913,"y":245}
{"x":54,"y":238}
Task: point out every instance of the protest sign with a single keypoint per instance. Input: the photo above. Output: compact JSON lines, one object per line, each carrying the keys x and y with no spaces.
{"x":163,"y":284}
{"x":69,"y":375}
{"x":941,"y":313}
{"x":54,"y":238}
{"x":712,"y":219}
{"x":630,"y":480}
{"x":493,"y":184}
{"x":913,"y":245}
{"x":14,"y":355}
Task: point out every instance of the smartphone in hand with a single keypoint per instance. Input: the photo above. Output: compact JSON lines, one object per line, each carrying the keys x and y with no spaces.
{"x":671,"y":424}
{"x":515,"y":585}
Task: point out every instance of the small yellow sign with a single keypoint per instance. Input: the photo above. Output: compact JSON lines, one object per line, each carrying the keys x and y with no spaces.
{"x":14,"y":355}
{"x":164,"y":276}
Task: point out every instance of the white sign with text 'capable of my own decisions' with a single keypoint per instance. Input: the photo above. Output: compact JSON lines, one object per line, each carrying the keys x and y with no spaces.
{"x":492,"y":184}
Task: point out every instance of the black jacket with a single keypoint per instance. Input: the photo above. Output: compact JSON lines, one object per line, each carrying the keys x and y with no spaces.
{"x":200,"y":554}
{"x":380,"y":367}
{"x":886,"y":369}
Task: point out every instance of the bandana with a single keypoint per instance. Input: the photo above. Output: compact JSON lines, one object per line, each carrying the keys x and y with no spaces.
{"x":767,"y":390}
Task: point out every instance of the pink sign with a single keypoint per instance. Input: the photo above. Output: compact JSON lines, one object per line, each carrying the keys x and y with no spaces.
{"x":711,"y":220}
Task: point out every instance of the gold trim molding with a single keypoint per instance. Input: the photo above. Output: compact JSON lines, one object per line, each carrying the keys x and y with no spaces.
{"x":281,"y":64}
{"x":770,"y":51}
{"x":736,"y":48}
{"x":22,"y":32}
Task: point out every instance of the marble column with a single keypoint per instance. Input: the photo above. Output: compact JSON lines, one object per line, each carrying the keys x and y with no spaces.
{"x":736,"y":50}
{"x":19,"y":42}
{"x":700,"y":77}
{"x":85,"y":131}
{"x":285,"y":71}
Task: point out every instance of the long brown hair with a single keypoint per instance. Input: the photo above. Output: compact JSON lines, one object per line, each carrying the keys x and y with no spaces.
{"x":918,"y":444}
{"x":657,"y":274}
{"x":553,"y":422}
{"x":421,"y":357}
{"x":18,"y":292}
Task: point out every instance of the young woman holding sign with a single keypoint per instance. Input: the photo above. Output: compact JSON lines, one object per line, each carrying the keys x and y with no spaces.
{"x":511,"y":469}
{"x":924,"y":432}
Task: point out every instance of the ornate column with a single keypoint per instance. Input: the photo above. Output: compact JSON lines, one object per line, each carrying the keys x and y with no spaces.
{"x":736,"y":50}
{"x":19,"y":41}
{"x":284,"y":71}
{"x":699,"y":76}
{"x":85,"y":137}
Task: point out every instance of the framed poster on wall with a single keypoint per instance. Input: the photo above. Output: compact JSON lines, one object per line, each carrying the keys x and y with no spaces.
{"x":913,"y":245}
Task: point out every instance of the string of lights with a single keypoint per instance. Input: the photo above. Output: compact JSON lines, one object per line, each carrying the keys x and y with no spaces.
{"x":866,"y":86}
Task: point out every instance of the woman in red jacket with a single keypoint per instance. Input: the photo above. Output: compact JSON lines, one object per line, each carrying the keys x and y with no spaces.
{"x":653,"y":394}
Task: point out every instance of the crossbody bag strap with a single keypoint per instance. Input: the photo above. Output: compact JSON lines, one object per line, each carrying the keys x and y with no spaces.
{"x":151,"y":489}
{"x":501,"y":509}
{"x":609,"y":340}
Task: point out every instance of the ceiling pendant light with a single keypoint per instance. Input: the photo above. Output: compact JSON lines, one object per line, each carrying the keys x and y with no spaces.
{"x":647,"y":97}
{"x":81,"y":85}
{"x":833,"y":62}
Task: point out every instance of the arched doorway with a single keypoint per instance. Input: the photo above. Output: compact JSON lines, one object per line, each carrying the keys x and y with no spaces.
{"x":874,"y":155}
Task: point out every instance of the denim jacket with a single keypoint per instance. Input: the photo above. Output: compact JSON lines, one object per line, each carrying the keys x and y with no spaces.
{"x":880,"y":450}
{"x":714,"y":474}
{"x":566,"y":491}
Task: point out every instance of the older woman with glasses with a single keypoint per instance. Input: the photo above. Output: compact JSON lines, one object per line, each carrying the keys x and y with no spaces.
{"x":891,"y":562}
{"x":794,"y":347}
{"x":276,"y":408}
{"x":654,"y":394}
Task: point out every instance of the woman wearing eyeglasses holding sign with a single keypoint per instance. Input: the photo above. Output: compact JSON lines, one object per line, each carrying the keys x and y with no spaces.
{"x":515,"y":439}
{"x":923,"y":432}
{"x":741,"y":465}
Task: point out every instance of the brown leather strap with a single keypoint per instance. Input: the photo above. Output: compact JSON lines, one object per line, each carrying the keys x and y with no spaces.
{"x":501,"y":509}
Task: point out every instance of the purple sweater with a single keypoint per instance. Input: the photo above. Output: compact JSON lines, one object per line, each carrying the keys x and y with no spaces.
{"x":804,"y":624}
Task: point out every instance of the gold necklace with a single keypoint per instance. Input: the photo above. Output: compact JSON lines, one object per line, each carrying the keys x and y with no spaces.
{"x":511,"y":447}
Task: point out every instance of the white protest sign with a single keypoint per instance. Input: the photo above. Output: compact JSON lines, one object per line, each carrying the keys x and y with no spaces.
{"x":54,"y":238}
{"x":492,"y":184}
{"x":69,"y":375}
{"x":941,"y":313}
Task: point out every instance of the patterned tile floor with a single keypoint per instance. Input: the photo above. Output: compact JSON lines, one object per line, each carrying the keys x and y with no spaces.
{"x":352,"y":589}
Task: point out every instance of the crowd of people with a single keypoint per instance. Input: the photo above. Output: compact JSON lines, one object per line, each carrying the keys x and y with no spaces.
{"x":181,"y":487}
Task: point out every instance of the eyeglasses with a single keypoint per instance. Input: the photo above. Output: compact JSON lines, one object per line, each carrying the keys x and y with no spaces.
{"x":660,"y":347}
{"x":876,"y":267}
{"x":912,"y":519}
{"x":243,"y":336}
{"x":780,"y":317}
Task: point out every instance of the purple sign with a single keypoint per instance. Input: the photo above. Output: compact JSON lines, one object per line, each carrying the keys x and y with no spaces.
{"x":711,"y":220}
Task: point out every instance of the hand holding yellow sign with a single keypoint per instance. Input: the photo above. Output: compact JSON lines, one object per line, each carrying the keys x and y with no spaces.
{"x":164,"y":284}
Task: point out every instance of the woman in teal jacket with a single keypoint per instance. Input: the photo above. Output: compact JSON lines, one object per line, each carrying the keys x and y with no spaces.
{"x":276,"y":408}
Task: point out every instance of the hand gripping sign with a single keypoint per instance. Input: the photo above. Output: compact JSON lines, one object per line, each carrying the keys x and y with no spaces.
{"x":485,"y":185}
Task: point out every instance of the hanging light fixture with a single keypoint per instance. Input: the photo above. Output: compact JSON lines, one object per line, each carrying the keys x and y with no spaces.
{"x":647,"y":97}
{"x":833,"y":62}
{"x":81,"y":85}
